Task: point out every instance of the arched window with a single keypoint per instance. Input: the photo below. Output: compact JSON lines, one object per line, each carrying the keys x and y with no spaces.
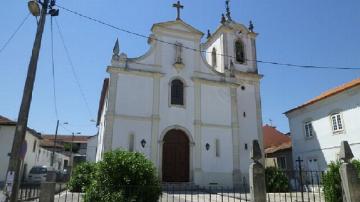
{"x":239,"y":51}
{"x":177,"y":92}
{"x":213,"y":57}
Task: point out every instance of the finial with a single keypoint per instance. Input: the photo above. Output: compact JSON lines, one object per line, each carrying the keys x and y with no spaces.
{"x":228,"y":14}
{"x":178,"y":6}
{"x":208,"y":33}
{"x":255,"y":151}
{"x":223,"y":20}
{"x":116,"y":49}
{"x":251,"y":26}
{"x":345,"y":152}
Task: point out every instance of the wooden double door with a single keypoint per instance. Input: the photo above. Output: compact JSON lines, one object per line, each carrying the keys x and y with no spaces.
{"x":176,"y":156}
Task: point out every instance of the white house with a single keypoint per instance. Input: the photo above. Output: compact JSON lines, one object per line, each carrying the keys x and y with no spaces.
{"x":318,"y":126}
{"x":192,"y":108}
{"x":35,"y":155}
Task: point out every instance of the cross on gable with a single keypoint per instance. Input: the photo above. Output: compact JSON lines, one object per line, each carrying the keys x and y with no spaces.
{"x":178,"y":6}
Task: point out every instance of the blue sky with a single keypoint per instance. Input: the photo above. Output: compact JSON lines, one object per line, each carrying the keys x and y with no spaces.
{"x":321,"y":32}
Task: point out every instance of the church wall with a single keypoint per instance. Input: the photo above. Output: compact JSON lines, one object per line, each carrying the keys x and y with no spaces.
{"x":247,"y":124}
{"x":215,"y":105}
{"x":134,"y":95}
{"x":124,"y":127}
{"x":211,"y":162}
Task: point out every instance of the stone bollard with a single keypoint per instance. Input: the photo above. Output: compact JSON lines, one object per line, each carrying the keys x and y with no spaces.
{"x":349,"y":176}
{"x":47,"y":192}
{"x":257,"y":175}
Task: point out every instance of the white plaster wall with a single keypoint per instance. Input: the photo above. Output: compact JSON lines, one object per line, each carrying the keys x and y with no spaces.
{"x":324,"y":146}
{"x":91,"y":149}
{"x":215,"y":105}
{"x":134,"y":95}
{"x":248,"y":124}
{"x":210,"y":162}
{"x":101,"y":131}
{"x":218,"y":45}
{"x":43,"y":158}
{"x":141,"y":130}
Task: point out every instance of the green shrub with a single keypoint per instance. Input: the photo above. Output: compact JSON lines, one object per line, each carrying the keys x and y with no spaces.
{"x":124,"y":176}
{"x":81,"y":177}
{"x":331,"y":181}
{"x":276,"y":180}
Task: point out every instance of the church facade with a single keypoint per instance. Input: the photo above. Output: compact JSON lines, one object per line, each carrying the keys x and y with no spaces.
{"x":192,"y":108}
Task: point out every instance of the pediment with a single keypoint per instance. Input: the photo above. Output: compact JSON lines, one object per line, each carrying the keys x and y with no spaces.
{"x":177,"y":25}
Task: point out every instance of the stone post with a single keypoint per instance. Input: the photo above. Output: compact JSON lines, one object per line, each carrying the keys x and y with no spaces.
{"x":257,"y":175}
{"x":349,"y":176}
{"x":47,"y":192}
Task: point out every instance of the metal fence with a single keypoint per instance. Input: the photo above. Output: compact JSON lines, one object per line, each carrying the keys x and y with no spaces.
{"x":29,"y":192}
{"x":295,"y":185}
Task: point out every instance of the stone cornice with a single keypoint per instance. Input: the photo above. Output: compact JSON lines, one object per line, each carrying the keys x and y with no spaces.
{"x":138,"y":72}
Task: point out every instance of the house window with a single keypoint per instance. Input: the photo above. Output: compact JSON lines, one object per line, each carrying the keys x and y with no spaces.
{"x":131,"y":142}
{"x":217,"y":148}
{"x":309,"y":132}
{"x":281,"y":162}
{"x":337,"y":124}
{"x":177,"y":92}
{"x":213,"y":57}
{"x":34,"y":146}
{"x":239,"y":51}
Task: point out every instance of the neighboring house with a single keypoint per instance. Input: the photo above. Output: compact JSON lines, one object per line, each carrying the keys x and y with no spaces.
{"x":91,"y":148}
{"x":35,"y":155}
{"x":32,"y":139}
{"x":277,"y":148}
{"x":63,"y":145}
{"x":193,"y":114}
{"x":318,"y":126}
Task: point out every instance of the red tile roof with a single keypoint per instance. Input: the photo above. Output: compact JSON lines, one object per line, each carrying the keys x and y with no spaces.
{"x":6,"y":121}
{"x":275,"y":140}
{"x":67,"y":138}
{"x":329,"y":93}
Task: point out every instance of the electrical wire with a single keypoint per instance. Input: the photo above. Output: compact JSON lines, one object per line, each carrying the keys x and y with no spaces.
{"x":203,"y":51}
{"x":14,"y":33}
{"x":53,"y":69}
{"x":73,"y":69}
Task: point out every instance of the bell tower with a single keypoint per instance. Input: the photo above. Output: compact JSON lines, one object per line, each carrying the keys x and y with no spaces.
{"x":232,"y":46}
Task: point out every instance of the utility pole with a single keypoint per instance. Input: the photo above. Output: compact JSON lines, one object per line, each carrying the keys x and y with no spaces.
{"x":13,"y":174}
{"x":53,"y":149}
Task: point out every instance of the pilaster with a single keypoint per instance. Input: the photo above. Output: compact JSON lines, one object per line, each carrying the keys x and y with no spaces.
{"x":155,"y":119}
{"x":235,"y":138}
{"x":197,"y":126}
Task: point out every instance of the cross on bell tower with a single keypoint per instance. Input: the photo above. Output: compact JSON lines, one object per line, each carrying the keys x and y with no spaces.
{"x":178,"y":6}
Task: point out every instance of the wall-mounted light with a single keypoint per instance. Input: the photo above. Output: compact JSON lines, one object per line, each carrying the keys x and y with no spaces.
{"x":207,"y":146}
{"x":143,"y":143}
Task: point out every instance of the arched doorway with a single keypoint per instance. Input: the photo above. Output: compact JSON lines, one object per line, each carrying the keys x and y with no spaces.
{"x":175,"y":162}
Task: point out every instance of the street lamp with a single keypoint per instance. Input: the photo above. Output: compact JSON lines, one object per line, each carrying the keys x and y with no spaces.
{"x":34,"y":8}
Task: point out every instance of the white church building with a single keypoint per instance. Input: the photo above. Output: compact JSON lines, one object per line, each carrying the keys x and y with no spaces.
{"x":192,"y":108}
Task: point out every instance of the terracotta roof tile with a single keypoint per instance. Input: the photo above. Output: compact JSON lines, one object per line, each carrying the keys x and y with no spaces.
{"x":329,"y":93}
{"x":66,"y":138}
{"x":275,"y":140}
{"x":6,"y":121}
